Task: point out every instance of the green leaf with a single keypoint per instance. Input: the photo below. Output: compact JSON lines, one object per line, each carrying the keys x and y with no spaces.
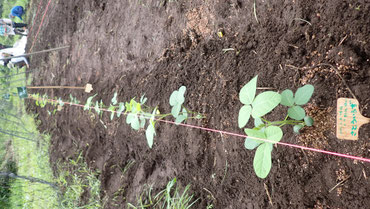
{"x":287,"y":98}
{"x":258,"y":122}
{"x":176,"y":110}
{"x":88,"y":102}
{"x":111,"y":108}
{"x":114,"y":99}
{"x":250,"y":143}
{"x":244,"y":115}
{"x":143,"y":99}
{"x":308,"y":120}
{"x":182,"y":90}
{"x":97,"y":109}
{"x":274,"y":133}
{"x":128,"y":106}
{"x":153,"y":115}
{"x":255,"y":133}
{"x":248,"y":92}
{"x":262,"y":160}
{"x":135,"y":124}
{"x":252,"y":134}
{"x":264,"y":103}
{"x":173,"y":98}
{"x":303,"y":94}
{"x":297,"y":128}
{"x":185,"y":112}
{"x":120,"y":109}
{"x":130,"y":118}
{"x":180,"y":119}
{"x":135,"y":107}
{"x":142,"y":121}
{"x":150,"y":133}
{"x":180,"y":98}
{"x":271,"y":147}
{"x":60,"y":101}
{"x":296,"y":112}
{"x":177,"y":97}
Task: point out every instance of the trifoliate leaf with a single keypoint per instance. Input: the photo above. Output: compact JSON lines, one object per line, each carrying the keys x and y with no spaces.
{"x":296,"y":112}
{"x":287,"y":98}
{"x":244,"y":115}
{"x":303,"y":94}
{"x":262,"y":160}
{"x":308,"y":120}
{"x":248,"y":92}
{"x":264,"y":103}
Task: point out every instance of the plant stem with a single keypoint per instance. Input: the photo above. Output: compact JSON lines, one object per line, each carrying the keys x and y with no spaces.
{"x":279,"y":123}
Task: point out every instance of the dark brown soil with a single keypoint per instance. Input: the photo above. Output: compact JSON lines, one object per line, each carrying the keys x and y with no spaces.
{"x":154,"y":47}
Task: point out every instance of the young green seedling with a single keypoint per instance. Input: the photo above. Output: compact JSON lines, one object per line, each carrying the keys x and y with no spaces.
{"x":270,"y":132}
{"x":137,"y":113}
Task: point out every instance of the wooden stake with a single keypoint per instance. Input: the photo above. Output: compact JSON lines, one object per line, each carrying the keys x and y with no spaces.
{"x":88,"y":88}
{"x":33,"y":53}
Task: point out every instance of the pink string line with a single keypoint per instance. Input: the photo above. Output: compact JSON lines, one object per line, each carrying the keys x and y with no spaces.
{"x":225,"y":132}
{"x":37,"y":12}
{"x":43,"y":17}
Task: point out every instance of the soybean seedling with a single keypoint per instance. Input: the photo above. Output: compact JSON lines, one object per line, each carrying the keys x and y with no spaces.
{"x":257,"y":107}
{"x":137,"y":112}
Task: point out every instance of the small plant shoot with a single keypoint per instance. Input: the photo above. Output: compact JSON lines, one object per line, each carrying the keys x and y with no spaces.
{"x":266,"y":133}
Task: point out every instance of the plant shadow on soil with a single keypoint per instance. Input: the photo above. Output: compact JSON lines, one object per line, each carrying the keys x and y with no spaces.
{"x":154,"y":47}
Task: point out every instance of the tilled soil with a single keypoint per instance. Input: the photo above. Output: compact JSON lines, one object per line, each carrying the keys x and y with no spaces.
{"x":154,"y":47}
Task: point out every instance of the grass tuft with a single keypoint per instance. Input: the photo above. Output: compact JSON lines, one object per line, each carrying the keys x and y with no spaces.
{"x":170,"y":197}
{"x":79,"y":184}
